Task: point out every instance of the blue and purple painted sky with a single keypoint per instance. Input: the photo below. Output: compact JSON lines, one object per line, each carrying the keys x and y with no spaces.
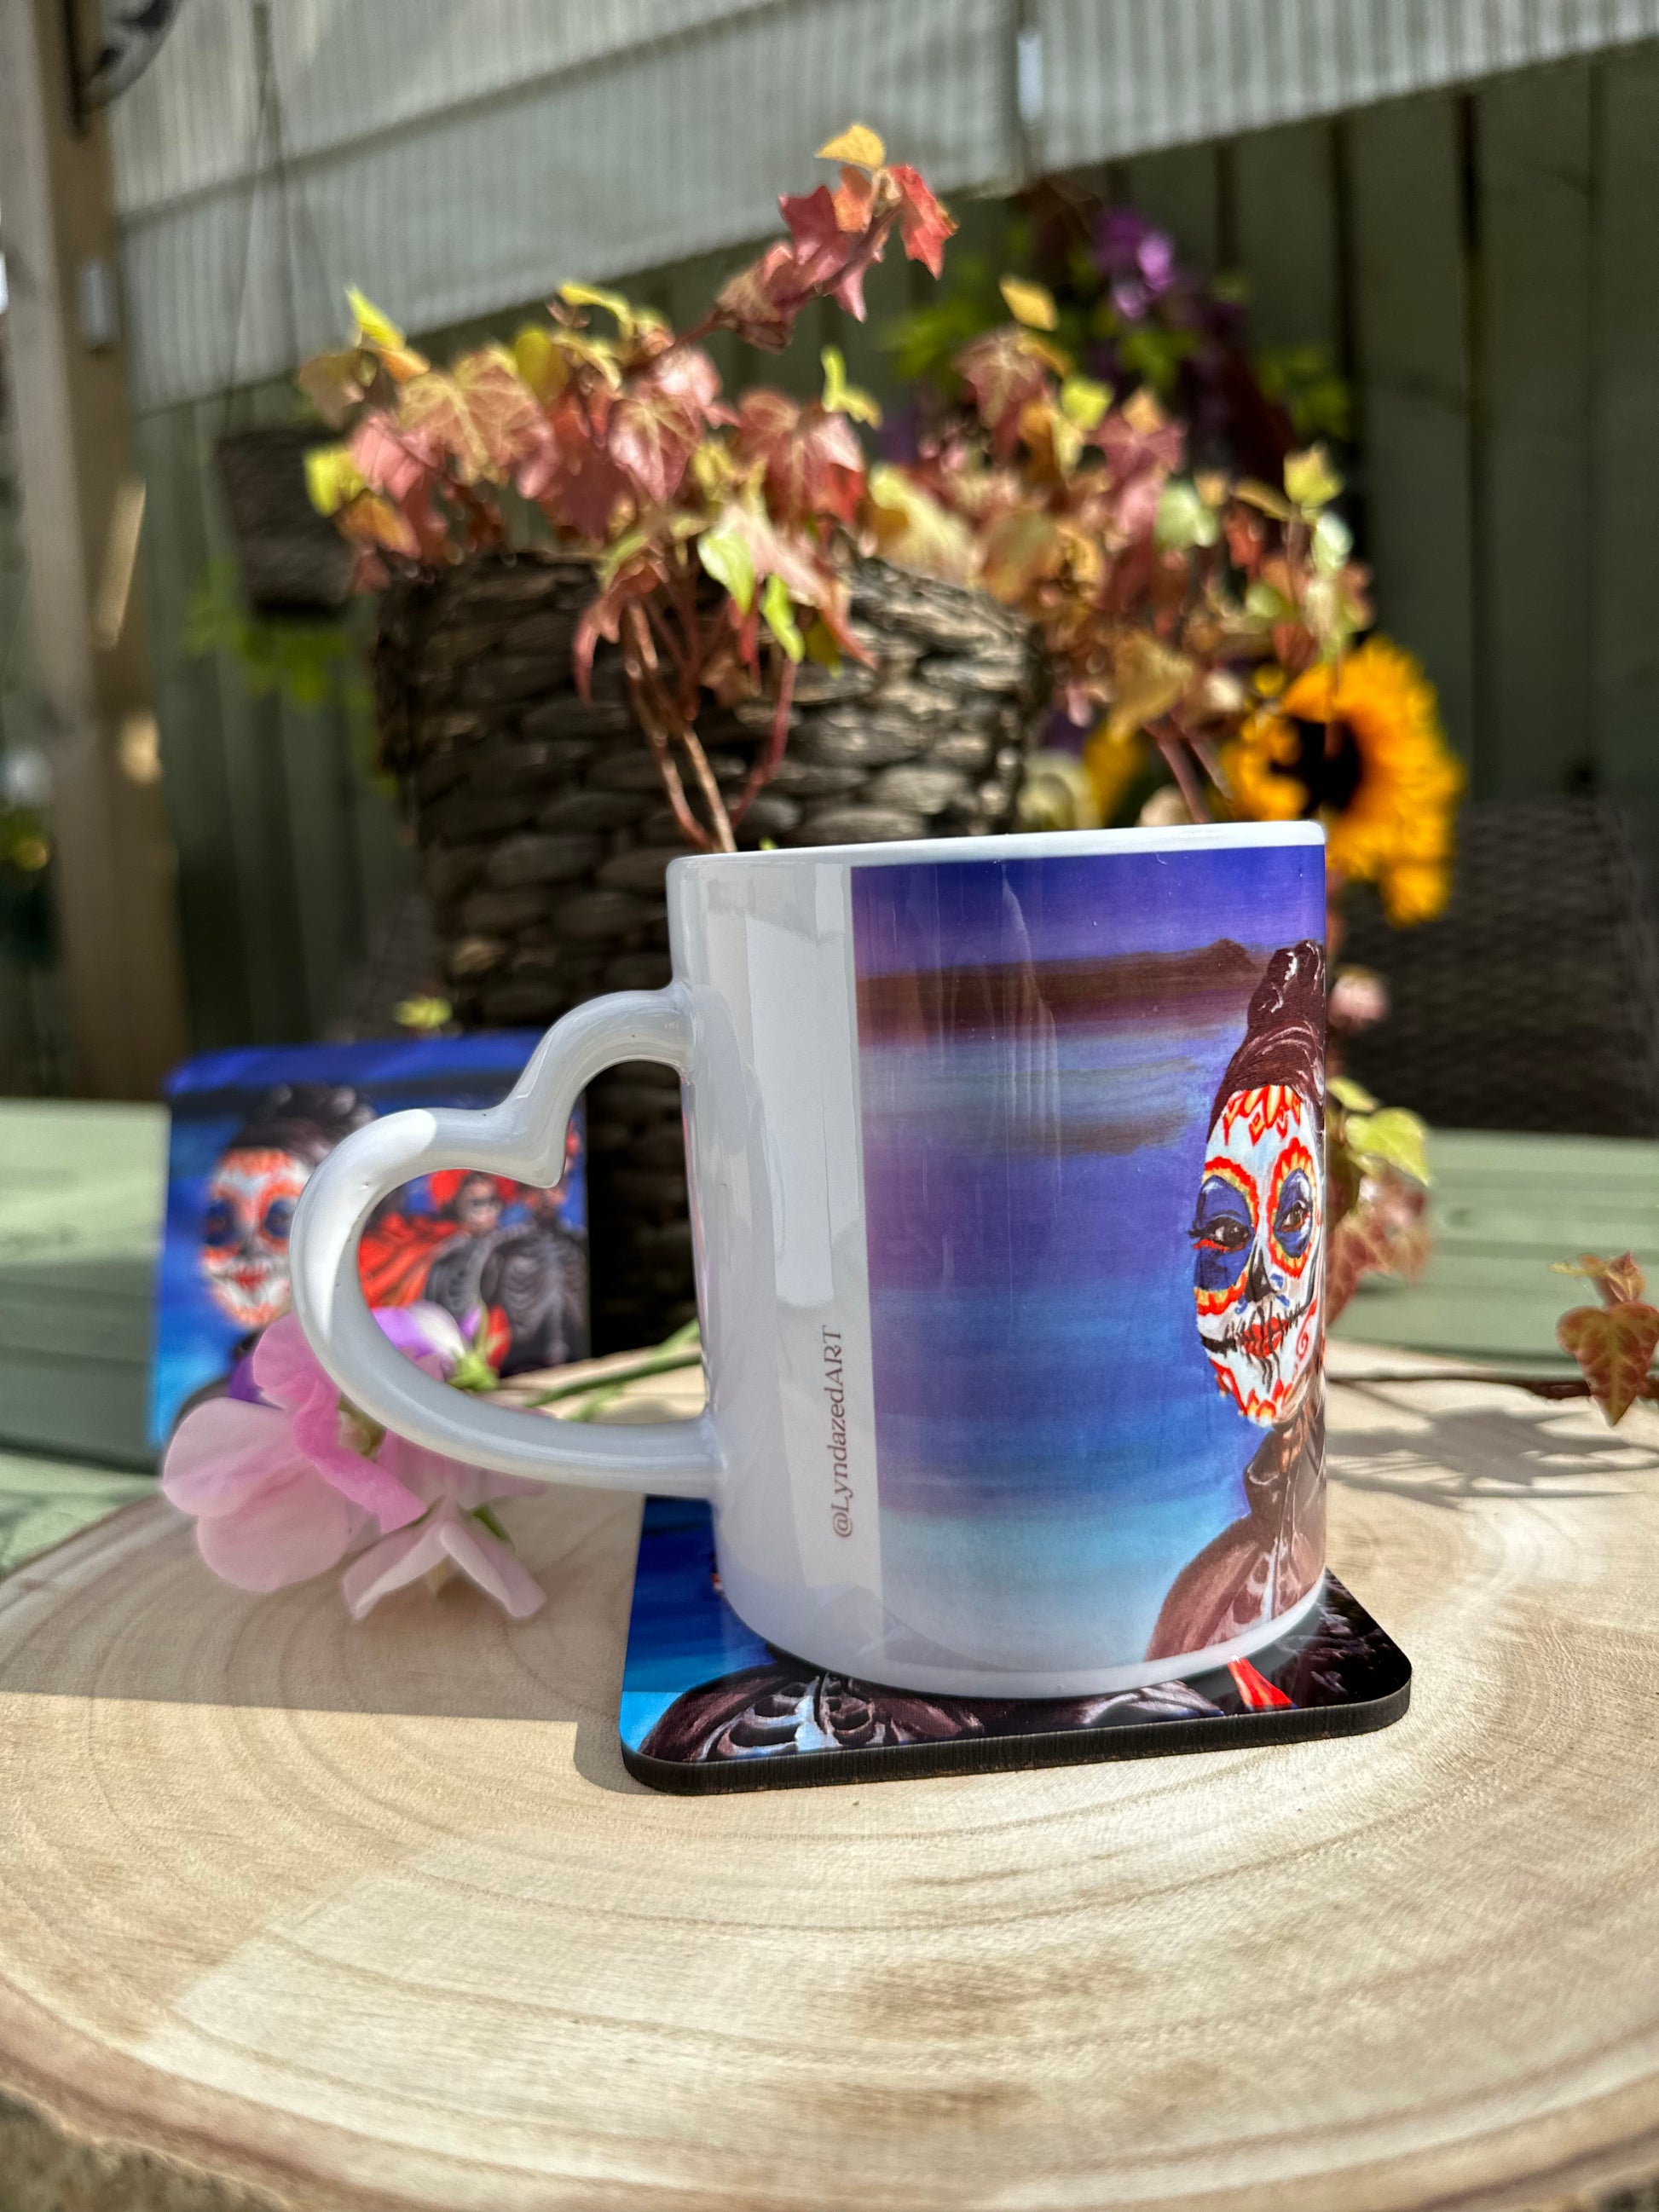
{"x":1039,"y":1044}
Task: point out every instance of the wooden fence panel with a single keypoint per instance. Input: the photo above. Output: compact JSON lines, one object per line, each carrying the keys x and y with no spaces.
{"x":1533,"y":237}
{"x":1625,"y":574}
{"x":1410,"y":368}
{"x":1280,"y":221}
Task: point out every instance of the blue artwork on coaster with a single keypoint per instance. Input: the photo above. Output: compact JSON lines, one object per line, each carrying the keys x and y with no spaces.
{"x":248,"y":1128}
{"x":1092,"y":1100}
{"x":707,"y":1705}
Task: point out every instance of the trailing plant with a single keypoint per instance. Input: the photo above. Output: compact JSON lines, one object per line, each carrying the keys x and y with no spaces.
{"x":719,"y":532}
{"x":1130,"y":313}
{"x":1614,"y":1341}
{"x":307,"y":662}
{"x":1209,"y":617}
{"x":1377,"y":1180}
{"x":1158,"y":593}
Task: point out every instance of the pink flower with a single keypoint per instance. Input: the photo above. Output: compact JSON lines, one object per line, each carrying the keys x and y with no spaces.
{"x":283,"y":1486}
{"x":453,"y":1532}
{"x":264,"y":1517}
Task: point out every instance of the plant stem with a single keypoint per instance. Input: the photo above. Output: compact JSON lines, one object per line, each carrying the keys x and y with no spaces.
{"x":639,"y":664}
{"x":767,"y":766}
{"x":1173,"y":750}
{"x":1541,"y":1386}
{"x":663,"y":1362}
{"x":722,"y":840}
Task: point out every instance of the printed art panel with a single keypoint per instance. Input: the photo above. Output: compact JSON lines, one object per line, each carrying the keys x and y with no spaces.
{"x":1092,"y":1099}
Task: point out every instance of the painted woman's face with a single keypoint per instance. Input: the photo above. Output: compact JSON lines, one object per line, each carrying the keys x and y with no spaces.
{"x":1258,"y":1240}
{"x":249,"y":1208}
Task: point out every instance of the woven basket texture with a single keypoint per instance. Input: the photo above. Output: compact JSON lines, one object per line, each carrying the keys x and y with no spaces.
{"x":1532,"y":1003}
{"x":546,"y":834}
{"x":295,"y":562}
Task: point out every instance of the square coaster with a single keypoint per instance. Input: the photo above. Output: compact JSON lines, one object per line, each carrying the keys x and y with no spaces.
{"x":706,"y":1704}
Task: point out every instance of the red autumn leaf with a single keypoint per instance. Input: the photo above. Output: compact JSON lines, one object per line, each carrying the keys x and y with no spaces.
{"x":813,"y":463}
{"x":1614,"y":1279}
{"x":924,"y":225}
{"x":637,"y":579}
{"x":1615,"y":1346}
{"x":386,"y":459}
{"x":1004,"y":376}
{"x":760,"y":302}
{"x":371,"y":519}
{"x":1382,"y":1234}
{"x":656,"y":424}
{"x":503,"y":408}
{"x":434,"y":418}
{"x":855,"y":201}
{"x":821,"y":243}
{"x":336,"y":382}
{"x":827,"y":257}
{"x":574,"y":482}
{"x":1139,"y":438}
{"x":1021,"y":547}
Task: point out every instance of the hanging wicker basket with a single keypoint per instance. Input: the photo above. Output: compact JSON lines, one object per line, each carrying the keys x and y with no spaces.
{"x":546,"y":834}
{"x":293,"y":560}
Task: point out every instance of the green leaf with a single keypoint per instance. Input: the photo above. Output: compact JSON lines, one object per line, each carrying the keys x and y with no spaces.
{"x":618,"y":555}
{"x":857,"y":144}
{"x":726,"y":557}
{"x":332,"y":477}
{"x":1084,"y":401}
{"x":841,"y":397}
{"x":595,"y":295}
{"x":1309,"y":480}
{"x":1183,"y":518}
{"x":1393,"y":1137}
{"x":373,"y":327}
{"x":1265,"y":604}
{"x":821,"y":645}
{"x":1351,"y":1095}
{"x":778,"y":612}
{"x":1028,"y":303}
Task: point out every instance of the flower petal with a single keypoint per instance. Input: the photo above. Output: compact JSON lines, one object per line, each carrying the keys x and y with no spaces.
{"x":447,"y":1532}
{"x":293,"y":1528}
{"x":422,"y":1332}
{"x":495,"y":1567}
{"x":432,"y":1476}
{"x":223,"y":1452}
{"x":365,"y":1481}
{"x":286,"y":1368}
{"x":390,"y":1566}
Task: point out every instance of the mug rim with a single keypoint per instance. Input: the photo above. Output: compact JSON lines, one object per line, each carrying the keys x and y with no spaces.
{"x":1019,"y":844}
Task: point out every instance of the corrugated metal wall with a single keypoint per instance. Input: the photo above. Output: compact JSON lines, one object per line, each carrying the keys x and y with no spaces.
{"x":470,"y":152}
{"x":1486,"y":266}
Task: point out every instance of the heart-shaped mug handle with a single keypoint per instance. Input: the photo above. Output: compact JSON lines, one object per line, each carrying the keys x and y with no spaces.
{"x":523,"y":1137}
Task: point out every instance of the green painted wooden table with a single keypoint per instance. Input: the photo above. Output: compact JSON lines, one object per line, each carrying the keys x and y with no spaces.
{"x":81,"y":1199}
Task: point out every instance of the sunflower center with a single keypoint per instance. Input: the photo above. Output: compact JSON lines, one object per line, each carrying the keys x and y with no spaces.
{"x":1328,"y":763}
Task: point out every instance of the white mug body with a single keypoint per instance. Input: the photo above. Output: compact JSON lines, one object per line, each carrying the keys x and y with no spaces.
{"x":1007,"y":1180}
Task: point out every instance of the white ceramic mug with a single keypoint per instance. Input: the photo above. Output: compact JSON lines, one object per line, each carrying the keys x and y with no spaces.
{"x":1007,"y":1169}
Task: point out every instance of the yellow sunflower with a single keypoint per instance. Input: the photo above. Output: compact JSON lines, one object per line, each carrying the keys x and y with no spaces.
{"x":1361,"y":748}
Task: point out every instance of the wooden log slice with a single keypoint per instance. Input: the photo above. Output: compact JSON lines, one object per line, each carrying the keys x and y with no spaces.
{"x":329,"y":1916}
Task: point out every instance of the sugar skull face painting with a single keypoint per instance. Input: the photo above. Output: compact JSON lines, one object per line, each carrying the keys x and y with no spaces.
{"x":244,"y":1232}
{"x":1258,"y":1237}
{"x":254,"y":1189}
